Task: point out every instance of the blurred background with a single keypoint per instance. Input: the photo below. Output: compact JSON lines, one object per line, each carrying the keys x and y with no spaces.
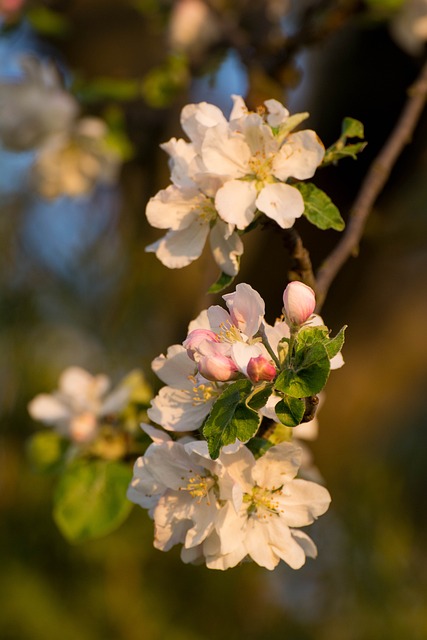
{"x":77,"y":288}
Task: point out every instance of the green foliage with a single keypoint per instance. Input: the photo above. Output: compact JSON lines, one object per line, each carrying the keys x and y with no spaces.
{"x":46,"y":451}
{"x":224,"y":281}
{"x":334,"y":345}
{"x":259,"y":446}
{"x":90,"y":499}
{"x":162,"y":84}
{"x":48,"y":22}
{"x":350,"y":128}
{"x":280,"y":434}
{"x":319,"y":208}
{"x":107,"y":88}
{"x":290,"y":411}
{"x":307,"y":373}
{"x":231,"y":418}
{"x":259,"y":395}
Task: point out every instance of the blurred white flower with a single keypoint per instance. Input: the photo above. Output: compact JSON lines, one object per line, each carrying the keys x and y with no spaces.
{"x":193,"y":27}
{"x":73,"y":162}
{"x":34,"y":108}
{"x":79,"y":405}
{"x":409,"y":26}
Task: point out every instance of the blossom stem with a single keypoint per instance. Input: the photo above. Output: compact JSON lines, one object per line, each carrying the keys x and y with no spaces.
{"x":263,"y":336}
{"x":372,"y":186}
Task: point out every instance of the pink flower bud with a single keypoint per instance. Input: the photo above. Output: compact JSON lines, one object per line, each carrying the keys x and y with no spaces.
{"x":194,"y":338}
{"x":299,"y":302}
{"x":261,"y":369}
{"x":217,"y":368}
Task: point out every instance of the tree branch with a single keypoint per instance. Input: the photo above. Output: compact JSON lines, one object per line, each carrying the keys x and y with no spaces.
{"x":372,"y":186}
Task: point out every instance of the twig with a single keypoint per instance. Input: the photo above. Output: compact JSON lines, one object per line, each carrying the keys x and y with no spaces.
{"x":372,"y":186}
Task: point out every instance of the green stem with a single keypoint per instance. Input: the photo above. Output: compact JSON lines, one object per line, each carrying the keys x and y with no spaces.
{"x":263,"y":336}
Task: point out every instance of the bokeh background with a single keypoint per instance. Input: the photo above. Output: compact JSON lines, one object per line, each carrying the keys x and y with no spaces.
{"x":76,"y":287}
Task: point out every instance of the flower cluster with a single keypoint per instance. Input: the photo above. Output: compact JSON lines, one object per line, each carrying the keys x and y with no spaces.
{"x":226,"y":510}
{"x":229,"y":173}
{"x":223,"y":346}
{"x":214,"y":496}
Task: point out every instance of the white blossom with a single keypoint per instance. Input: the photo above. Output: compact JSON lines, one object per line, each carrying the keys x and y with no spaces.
{"x":78,"y":406}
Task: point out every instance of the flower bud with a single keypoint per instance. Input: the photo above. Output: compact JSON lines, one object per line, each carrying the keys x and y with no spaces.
{"x":261,"y":369}
{"x":217,"y":368}
{"x":194,"y":338}
{"x":299,"y":302}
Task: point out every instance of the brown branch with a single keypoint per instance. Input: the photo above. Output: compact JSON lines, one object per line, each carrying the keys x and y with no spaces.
{"x":372,"y":186}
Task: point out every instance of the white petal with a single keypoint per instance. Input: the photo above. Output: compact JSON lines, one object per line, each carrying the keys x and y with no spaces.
{"x":225,"y":250}
{"x":283,"y":543}
{"x":305,"y":542}
{"x":48,"y":409}
{"x":175,"y":410}
{"x":225,"y":153}
{"x":279,"y":465}
{"x":177,"y":249}
{"x":115,"y":401}
{"x":157,"y":435}
{"x":78,"y":383}
{"x":181,"y":155}
{"x":235,"y":202}
{"x":173,"y":208}
{"x":299,"y":156}
{"x":306,"y":501}
{"x":175,"y":368}
{"x":239,"y":109}
{"x":277,"y":113}
{"x":257,"y":544}
{"x":282,"y":203}
{"x":246,"y":308}
{"x":196,"y":119}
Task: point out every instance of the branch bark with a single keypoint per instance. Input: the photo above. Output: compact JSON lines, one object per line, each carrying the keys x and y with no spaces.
{"x":372,"y":186}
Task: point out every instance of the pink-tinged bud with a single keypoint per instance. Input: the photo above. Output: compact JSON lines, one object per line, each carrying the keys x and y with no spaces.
{"x":217,"y":368}
{"x":261,"y":369}
{"x":194,"y":338}
{"x":299,"y":302}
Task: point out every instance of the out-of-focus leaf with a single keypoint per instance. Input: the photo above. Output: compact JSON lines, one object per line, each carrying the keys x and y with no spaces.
{"x":90,"y":499}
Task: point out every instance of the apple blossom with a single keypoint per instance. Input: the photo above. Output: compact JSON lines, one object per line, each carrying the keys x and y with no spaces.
{"x":187,"y":398}
{"x":299,"y":303}
{"x":77,"y":408}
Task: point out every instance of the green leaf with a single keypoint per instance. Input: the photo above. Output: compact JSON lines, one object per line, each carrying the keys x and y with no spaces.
{"x":223,"y":282}
{"x":352,"y":128}
{"x":259,"y":446}
{"x":259,"y":396}
{"x":90,"y":499}
{"x":319,"y":208}
{"x":311,"y":335}
{"x":308,"y":374}
{"x":231,"y":418}
{"x":334,"y":345}
{"x":46,"y":451}
{"x":290,"y":411}
{"x":349,"y":151}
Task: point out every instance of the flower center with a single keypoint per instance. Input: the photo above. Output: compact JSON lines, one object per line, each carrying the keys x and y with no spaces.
{"x":229,"y":333}
{"x":206,"y":210}
{"x":262,"y":502}
{"x":203,"y":393}
{"x":261,"y":165}
{"x":198,"y":486}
